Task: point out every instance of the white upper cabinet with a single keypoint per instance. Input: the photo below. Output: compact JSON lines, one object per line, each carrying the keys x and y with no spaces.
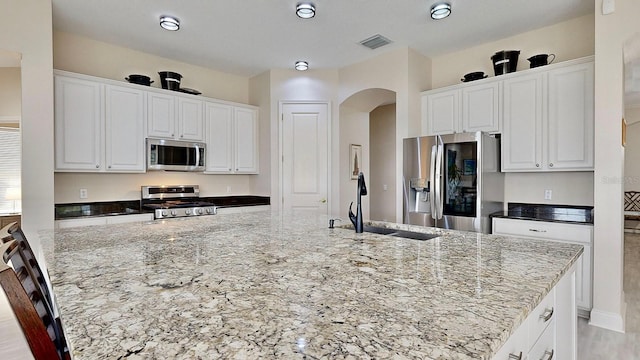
{"x":481,"y":107}
{"x":219,"y":119}
{"x":246,"y":140}
{"x":441,"y":112}
{"x":466,"y":108}
{"x":78,"y":125}
{"x":232,"y":139}
{"x":124,"y":124}
{"x":98,"y":128}
{"x":570,"y":117}
{"x":522,"y":129}
{"x":548,"y":119}
{"x":161,"y":115}
{"x":175,"y":117}
{"x":190,"y":119}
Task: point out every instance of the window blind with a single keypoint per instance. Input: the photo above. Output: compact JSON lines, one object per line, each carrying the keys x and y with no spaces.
{"x":9,"y":170}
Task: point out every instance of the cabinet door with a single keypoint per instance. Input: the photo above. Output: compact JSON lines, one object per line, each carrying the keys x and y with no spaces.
{"x":78,"y":125}
{"x":190,"y":120}
{"x":570,"y":117}
{"x":219,"y":119}
{"x":481,"y":107}
{"x":246,"y":140}
{"x":442,"y":112}
{"x":522,"y":123}
{"x":124,"y":124}
{"x":584,"y":279}
{"x":161,"y":115}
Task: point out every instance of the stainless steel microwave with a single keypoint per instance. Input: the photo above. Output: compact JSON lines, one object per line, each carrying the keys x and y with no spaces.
{"x":175,"y":155}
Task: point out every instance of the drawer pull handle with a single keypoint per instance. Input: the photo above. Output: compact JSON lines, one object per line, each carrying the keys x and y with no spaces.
{"x":515,"y":357}
{"x":548,"y":313}
{"x":548,"y":355}
{"x":536,"y":230}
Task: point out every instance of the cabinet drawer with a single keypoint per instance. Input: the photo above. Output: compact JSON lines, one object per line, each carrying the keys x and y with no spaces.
{"x":541,"y":317}
{"x":544,"y":348}
{"x":543,"y":230}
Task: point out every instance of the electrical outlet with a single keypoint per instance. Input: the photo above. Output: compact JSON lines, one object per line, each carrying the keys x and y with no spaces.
{"x":385,"y":187}
{"x":84,"y":194}
{"x":228,"y":189}
{"x":548,"y":194}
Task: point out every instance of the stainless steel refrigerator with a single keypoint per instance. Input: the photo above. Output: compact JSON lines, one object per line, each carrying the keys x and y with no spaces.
{"x":452,"y":181}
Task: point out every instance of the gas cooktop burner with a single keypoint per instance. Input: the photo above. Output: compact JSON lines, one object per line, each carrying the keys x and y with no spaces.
{"x":175,"y":201}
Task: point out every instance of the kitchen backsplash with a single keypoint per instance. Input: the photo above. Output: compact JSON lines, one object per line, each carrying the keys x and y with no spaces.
{"x":110,"y":187}
{"x":568,"y":188}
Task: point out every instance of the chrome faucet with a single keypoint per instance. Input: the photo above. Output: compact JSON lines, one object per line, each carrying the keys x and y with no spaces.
{"x":357,"y":218}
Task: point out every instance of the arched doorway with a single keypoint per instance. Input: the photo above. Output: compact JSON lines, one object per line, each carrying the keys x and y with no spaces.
{"x":368,"y":128}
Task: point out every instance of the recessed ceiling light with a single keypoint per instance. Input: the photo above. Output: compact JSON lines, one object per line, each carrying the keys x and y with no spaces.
{"x":440,"y":11}
{"x":302,"y":65}
{"x":169,"y":23}
{"x":305,"y":10}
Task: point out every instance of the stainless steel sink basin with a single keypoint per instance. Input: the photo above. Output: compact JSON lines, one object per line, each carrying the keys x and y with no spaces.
{"x":399,"y":233}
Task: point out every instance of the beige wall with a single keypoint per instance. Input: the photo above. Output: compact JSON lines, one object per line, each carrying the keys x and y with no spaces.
{"x":109,"y":187}
{"x":382,"y":163}
{"x":568,"y":188}
{"x":27,"y":30}
{"x":632,"y":150}
{"x":10,"y":92}
{"x":402,"y":71}
{"x":260,"y":95}
{"x":612,"y":31}
{"x":567,"y":40}
{"x":354,"y":129}
{"x":86,"y":56}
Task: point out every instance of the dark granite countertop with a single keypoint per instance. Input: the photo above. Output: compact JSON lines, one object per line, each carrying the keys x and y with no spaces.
{"x":551,"y":213}
{"x":127,"y":207}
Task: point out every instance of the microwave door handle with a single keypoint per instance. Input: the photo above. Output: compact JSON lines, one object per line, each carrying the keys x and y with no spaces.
{"x":197,"y":155}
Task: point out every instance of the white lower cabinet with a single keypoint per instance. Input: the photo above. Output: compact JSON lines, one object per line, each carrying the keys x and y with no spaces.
{"x":102,"y":220}
{"x":550,"y":330}
{"x":232,"y":139}
{"x":568,"y":233}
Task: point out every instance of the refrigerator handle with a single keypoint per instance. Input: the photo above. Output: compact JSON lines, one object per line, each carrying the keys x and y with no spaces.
{"x":432,"y":173}
{"x":439,"y":179}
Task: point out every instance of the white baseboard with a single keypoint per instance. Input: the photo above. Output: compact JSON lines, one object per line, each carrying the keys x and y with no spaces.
{"x":609,"y":320}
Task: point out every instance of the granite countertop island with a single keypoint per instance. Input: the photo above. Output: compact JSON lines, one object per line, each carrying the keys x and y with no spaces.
{"x":281,"y":286}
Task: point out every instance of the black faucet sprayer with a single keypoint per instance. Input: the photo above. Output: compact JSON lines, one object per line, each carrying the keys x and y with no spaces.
{"x":357,"y":218}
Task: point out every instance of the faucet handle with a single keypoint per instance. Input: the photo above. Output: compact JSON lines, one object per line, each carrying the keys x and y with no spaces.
{"x":331,"y":221}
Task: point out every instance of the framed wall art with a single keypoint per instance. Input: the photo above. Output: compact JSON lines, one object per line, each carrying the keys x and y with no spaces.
{"x":355,"y":159}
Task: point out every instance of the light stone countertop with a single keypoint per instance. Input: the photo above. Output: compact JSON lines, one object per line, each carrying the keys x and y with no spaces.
{"x":267,"y":285}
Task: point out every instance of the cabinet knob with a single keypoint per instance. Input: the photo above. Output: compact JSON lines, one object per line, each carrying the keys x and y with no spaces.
{"x":97,"y":166}
{"x":181,"y":135}
{"x":109,"y":166}
{"x":229,"y":169}
{"x":537,"y":165}
{"x":550,"y":164}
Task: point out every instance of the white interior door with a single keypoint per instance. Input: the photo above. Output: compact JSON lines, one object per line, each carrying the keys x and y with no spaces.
{"x":305,"y":156}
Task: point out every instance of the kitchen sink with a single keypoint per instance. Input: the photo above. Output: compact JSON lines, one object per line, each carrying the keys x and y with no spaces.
{"x":399,"y":233}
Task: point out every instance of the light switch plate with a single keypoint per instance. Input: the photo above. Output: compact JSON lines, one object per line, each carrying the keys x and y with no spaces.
{"x":84,"y":194}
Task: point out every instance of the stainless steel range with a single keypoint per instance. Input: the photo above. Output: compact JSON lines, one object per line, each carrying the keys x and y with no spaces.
{"x":175,"y":201}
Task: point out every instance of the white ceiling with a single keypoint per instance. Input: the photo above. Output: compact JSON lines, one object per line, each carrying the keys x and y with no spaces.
{"x":248,"y":37}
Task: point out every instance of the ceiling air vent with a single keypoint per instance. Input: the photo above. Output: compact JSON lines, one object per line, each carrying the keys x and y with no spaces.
{"x":375,"y":41}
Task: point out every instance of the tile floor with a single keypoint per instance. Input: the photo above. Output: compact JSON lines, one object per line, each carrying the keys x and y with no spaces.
{"x":595,"y":343}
